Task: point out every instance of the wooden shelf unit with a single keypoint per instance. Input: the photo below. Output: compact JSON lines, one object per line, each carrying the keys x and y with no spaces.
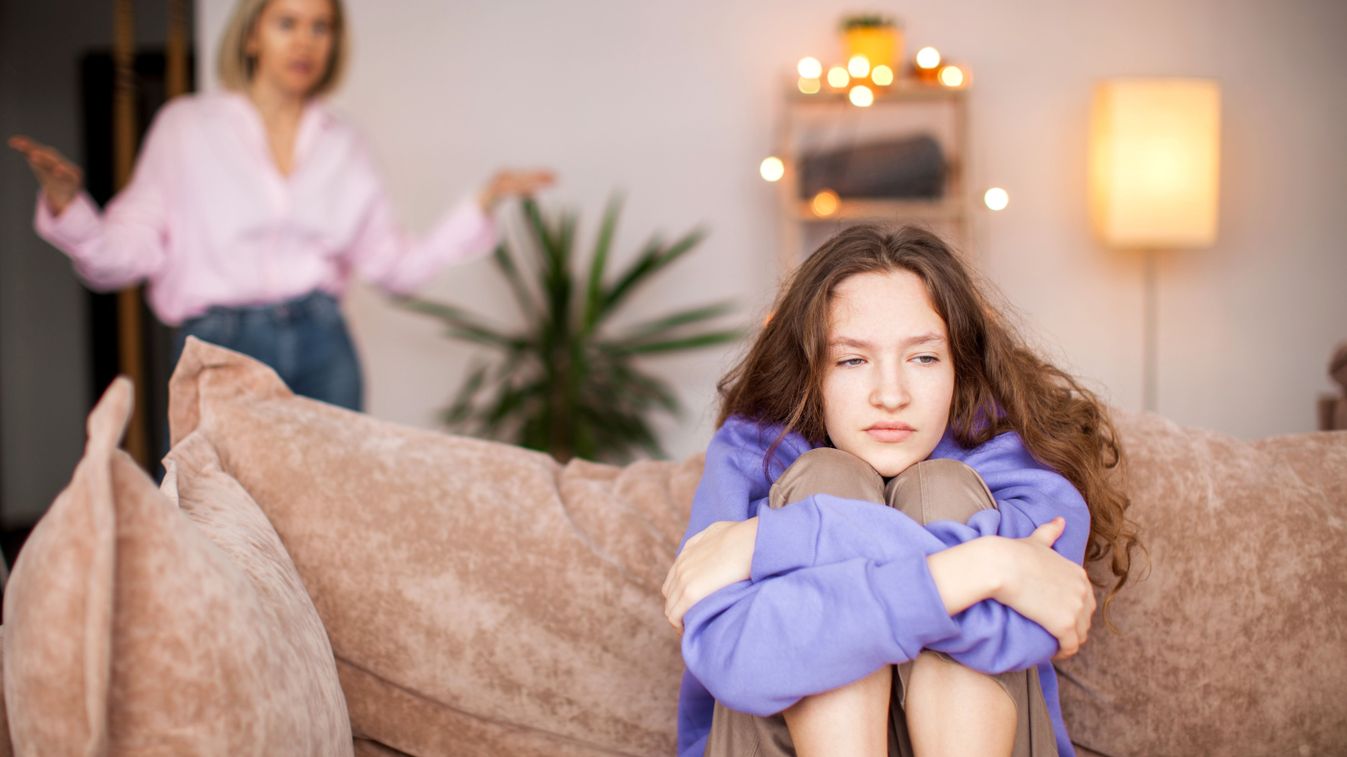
{"x":799,"y":111}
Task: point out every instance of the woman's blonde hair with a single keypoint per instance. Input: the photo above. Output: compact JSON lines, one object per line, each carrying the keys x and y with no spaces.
{"x":235,"y":65}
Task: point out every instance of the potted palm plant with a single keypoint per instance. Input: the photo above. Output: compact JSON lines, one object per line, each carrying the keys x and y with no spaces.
{"x":570,"y":381}
{"x":878,"y":38}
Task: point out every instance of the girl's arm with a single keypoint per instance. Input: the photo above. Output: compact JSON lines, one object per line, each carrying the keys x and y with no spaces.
{"x":826,"y":530}
{"x":761,"y":646}
{"x":993,"y":637}
{"x":734,"y":481}
{"x":127,"y":242}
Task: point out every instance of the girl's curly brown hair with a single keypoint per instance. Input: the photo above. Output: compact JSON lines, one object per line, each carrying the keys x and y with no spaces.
{"x":1000,"y":384}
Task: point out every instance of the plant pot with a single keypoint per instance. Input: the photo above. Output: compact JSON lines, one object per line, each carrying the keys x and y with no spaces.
{"x":881,"y":45}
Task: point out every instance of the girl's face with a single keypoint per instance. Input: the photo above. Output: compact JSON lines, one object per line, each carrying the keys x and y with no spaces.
{"x":292,"y":42}
{"x":889,"y":381}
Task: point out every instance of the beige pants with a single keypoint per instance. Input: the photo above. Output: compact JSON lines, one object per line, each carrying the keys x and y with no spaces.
{"x":928,"y":491}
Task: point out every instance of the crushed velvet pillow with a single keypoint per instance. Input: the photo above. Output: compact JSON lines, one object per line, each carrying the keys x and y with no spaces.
{"x":1235,"y":641}
{"x":132,"y":626}
{"x":480,"y":599}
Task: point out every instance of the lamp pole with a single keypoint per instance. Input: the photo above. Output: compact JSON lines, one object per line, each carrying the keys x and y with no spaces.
{"x":1150,"y":326}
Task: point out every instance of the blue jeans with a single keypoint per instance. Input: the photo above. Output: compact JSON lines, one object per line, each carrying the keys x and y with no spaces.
{"x":304,"y":340}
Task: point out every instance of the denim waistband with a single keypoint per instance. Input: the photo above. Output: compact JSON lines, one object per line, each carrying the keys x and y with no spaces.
{"x":316,"y":304}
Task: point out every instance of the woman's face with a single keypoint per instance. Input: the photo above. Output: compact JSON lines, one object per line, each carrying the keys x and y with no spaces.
{"x":889,"y":380}
{"x":292,"y":43}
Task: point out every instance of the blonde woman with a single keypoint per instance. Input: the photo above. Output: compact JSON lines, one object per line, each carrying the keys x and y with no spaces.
{"x":250,"y":210}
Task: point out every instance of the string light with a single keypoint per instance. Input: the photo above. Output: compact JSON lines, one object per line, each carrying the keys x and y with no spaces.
{"x":771,"y":168}
{"x":862,"y":96}
{"x":838,"y":77}
{"x":952,"y":77}
{"x":809,"y":68}
{"x":996,"y":198}
{"x":858,"y":66}
{"x":825,"y":203}
{"x":881,"y":75}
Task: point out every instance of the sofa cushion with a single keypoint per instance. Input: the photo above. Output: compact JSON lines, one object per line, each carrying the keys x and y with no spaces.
{"x":134,"y":626}
{"x":480,"y":598}
{"x":1235,"y":641}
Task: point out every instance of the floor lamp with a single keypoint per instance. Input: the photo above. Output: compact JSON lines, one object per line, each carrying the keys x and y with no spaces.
{"x":1154,"y":177}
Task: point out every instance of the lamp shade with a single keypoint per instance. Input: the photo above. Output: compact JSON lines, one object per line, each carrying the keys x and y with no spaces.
{"x":1154,"y":162}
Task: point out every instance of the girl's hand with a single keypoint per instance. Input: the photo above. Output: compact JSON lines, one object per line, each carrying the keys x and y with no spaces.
{"x":1047,"y":588}
{"x":713,"y":559}
{"x":513,"y":184}
{"x":61,"y":180}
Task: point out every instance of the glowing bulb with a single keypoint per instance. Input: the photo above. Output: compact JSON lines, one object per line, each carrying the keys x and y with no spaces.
{"x":825,"y":203}
{"x":952,"y":77}
{"x":862,"y":96}
{"x":858,"y":66}
{"x":838,"y":77}
{"x":808,"y":86}
{"x":881,"y":75}
{"x":772,"y":169}
{"x":928,"y":57}
{"x":996,"y":198}
{"x":809,"y":68}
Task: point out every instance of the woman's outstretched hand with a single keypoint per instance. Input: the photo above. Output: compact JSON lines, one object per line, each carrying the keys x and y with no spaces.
{"x":513,"y":184}
{"x":61,"y":180}
{"x":1047,"y":588}
{"x":720,"y":555}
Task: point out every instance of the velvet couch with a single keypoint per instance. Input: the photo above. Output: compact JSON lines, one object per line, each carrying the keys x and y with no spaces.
{"x":313,"y":581}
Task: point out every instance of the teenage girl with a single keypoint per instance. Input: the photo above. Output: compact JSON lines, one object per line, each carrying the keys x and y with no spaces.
{"x":897,"y":481}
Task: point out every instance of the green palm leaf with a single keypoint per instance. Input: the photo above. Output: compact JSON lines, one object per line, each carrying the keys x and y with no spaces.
{"x":505,"y":264}
{"x":654,"y":328}
{"x":696,"y":341}
{"x":655,"y":258}
{"x":594,"y":292}
{"x":462,"y":324}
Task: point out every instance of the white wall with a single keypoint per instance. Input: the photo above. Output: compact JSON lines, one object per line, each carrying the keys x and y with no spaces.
{"x":676,"y":104}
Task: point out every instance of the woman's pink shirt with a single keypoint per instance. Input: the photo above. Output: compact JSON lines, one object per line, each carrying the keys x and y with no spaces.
{"x":208,"y":219}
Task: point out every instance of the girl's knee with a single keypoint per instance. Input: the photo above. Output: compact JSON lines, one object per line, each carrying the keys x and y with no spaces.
{"x":935,"y":674}
{"x":826,"y":470}
{"x":942,"y":489}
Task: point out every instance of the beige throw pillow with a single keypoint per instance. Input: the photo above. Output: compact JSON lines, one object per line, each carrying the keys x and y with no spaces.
{"x":134,"y":627}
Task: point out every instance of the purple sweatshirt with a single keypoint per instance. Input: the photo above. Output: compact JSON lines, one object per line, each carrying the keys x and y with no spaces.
{"x":839,"y":587}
